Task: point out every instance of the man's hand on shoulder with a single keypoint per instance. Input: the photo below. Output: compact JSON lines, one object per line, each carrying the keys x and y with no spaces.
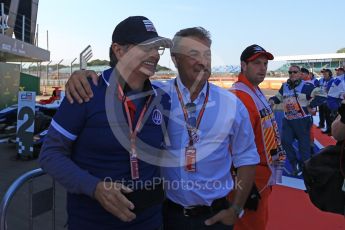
{"x":78,"y":88}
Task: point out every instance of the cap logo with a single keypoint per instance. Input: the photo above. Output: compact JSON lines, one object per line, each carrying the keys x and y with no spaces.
{"x":149,"y":26}
{"x":258,"y":49}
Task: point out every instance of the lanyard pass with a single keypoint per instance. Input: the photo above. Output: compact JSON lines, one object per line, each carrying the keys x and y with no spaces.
{"x":190,"y":159}
{"x":190,"y":152}
{"x":134,"y":161}
{"x":134,"y":168}
{"x":133,"y":133}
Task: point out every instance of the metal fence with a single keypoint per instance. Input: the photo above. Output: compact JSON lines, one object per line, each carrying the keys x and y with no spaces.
{"x":49,"y":83}
{"x":39,"y":202}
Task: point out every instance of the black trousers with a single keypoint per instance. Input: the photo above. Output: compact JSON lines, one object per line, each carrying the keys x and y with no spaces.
{"x":325,"y":115}
{"x":175,"y":220}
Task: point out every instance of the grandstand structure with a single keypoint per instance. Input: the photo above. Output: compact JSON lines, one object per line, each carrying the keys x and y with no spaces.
{"x":313,"y":62}
{"x":18,"y":44}
{"x":18,"y":35}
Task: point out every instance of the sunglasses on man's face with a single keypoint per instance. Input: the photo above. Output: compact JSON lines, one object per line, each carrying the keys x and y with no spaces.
{"x":291,"y":72}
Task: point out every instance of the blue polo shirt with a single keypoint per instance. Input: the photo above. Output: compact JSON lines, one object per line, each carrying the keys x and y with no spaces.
{"x":99,"y":151}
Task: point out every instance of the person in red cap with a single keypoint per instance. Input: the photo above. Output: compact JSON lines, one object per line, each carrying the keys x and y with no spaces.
{"x":254,"y":60}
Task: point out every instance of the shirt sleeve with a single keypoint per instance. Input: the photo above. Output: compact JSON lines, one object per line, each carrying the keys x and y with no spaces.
{"x":254,"y":118}
{"x":55,"y":160}
{"x":336,"y":88}
{"x":307,"y":90}
{"x":278,"y":98}
{"x":334,"y":94}
{"x":329,"y":84}
{"x":242,"y":142}
{"x":317,"y":101}
{"x":70,"y":118}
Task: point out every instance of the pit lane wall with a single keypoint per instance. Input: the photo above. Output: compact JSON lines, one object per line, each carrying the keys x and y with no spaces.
{"x":30,"y":83}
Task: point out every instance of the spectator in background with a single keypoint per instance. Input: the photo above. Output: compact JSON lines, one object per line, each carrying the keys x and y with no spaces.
{"x":339,"y":71}
{"x":313,"y":79}
{"x":305,"y":74}
{"x":306,"y":77}
{"x":337,"y":90}
{"x":324,"y":111}
{"x":295,"y":95}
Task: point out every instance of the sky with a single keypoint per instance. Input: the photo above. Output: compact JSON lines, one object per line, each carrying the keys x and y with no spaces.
{"x":290,"y":27}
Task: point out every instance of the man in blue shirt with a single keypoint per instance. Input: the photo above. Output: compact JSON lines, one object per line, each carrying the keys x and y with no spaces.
{"x":222,"y":125}
{"x":96,"y":150}
{"x":209,"y":130}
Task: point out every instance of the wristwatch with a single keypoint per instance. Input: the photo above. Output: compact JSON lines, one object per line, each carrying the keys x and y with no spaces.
{"x":238,"y":210}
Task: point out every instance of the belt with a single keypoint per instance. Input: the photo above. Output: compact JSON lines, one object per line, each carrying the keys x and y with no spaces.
{"x":198,"y":210}
{"x":145,"y":198}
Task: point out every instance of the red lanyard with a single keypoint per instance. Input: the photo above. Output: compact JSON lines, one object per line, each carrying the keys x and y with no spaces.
{"x":185,"y":113}
{"x":133,"y":132}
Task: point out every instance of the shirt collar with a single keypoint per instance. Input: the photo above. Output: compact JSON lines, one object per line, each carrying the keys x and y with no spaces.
{"x":242,"y":78}
{"x":185,"y":91}
{"x":148,"y":88}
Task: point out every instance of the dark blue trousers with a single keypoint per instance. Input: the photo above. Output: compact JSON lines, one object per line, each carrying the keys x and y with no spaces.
{"x":298,"y":129}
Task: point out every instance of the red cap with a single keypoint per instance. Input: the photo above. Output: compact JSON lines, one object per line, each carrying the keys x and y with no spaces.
{"x":254,"y":51}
